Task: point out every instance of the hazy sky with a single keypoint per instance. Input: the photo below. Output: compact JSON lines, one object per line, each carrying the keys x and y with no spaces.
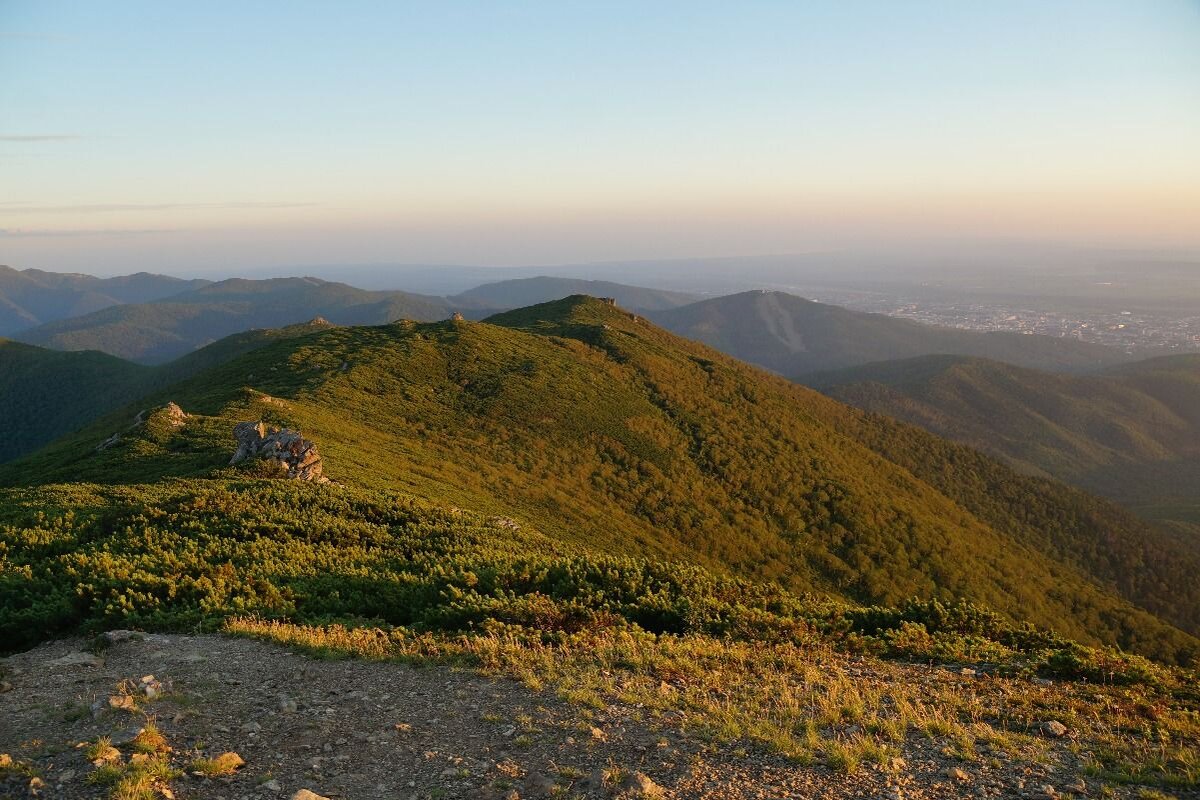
{"x":174,"y":136}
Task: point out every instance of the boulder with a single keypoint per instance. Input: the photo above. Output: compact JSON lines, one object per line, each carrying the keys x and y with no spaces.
{"x":294,"y":454}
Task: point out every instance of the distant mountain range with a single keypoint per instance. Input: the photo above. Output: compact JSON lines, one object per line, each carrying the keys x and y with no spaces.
{"x":31,"y":297}
{"x":1131,"y":433}
{"x":158,"y":331}
{"x":152,"y":319}
{"x":598,"y":429}
{"x":793,"y":336}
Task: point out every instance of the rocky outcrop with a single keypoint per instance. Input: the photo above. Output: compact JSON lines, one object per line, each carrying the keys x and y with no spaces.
{"x":294,"y":454}
{"x":170,"y":414}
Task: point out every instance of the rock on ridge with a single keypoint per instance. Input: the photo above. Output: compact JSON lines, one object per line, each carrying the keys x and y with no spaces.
{"x":171,"y":414}
{"x":295,"y":454}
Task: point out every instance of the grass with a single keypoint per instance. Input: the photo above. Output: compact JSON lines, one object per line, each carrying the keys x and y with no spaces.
{"x":147,"y":773}
{"x":224,"y":764}
{"x":809,"y":703}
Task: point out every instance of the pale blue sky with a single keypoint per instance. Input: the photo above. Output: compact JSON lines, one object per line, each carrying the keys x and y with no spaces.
{"x":163,"y":135}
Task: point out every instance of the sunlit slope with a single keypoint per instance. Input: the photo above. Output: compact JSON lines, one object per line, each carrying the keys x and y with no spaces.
{"x":1130,"y":433}
{"x":597,"y":428}
{"x":45,"y":394}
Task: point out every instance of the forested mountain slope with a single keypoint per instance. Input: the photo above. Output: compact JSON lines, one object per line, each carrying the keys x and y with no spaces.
{"x":603,"y":431}
{"x":1131,"y":433}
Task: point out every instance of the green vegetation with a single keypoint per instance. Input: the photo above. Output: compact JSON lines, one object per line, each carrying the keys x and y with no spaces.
{"x":597,"y":429}
{"x":1131,"y":433}
{"x":45,"y":394}
{"x":187,"y":554}
{"x":794,"y":336}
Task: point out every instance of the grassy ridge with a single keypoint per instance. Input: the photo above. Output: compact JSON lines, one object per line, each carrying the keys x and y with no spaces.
{"x":602,"y":431}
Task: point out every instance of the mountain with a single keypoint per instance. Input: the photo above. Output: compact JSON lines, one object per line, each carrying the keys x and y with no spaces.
{"x":597,"y":430}
{"x":517,"y":293}
{"x":45,"y":393}
{"x":31,"y":297}
{"x":159,"y":331}
{"x":1131,"y":433}
{"x":793,"y":336}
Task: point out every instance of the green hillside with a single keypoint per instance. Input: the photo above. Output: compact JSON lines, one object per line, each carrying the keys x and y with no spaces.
{"x":157,"y":332}
{"x":793,"y":336}
{"x":601,"y":431}
{"x":45,"y":394}
{"x":1131,"y":433}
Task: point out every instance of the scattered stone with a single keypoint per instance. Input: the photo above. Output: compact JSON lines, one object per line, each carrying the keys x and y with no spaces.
{"x":599,"y":735}
{"x":150,"y":687}
{"x":1053,"y":728}
{"x":109,"y":638}
{"x":5,"y":761}
{"x":958,"y":775}
{"x":539,"y":785}
{"x":271,"y":786}
{"x":640,"y":784}
{"x":287,"y":705}
{"x":294,"y":455}
{"x":123,"y":702}
{"x":79,"y":659}
{"x":305,"y":794}
{"x":109,"y":755}
{"x":5,"y":686}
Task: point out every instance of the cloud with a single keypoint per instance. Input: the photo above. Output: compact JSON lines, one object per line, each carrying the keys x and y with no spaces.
{"x":105,"y":208}
{"x":56,"y":233}
{"x":38,"y":137}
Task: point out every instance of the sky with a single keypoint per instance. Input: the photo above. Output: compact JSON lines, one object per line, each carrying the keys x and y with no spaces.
{"x":185,"y":137}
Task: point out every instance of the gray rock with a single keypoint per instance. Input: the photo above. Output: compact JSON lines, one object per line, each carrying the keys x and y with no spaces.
{"x":1052,"y":728}
{"x":79,"y":659}
{"x":305,"y":794}
{"x":296,"y":457}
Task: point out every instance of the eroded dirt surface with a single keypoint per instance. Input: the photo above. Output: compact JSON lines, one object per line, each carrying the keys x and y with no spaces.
{"x":357,"y":729}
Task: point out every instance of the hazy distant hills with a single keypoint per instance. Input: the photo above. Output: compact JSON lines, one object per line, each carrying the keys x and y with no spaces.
{"x":599,"y":429}
{"x":794,"y":336}
{"x":504,"y":295}
{"x":158,"y":331}
{"x":1131,"y":432}
{"x":31,"y":297}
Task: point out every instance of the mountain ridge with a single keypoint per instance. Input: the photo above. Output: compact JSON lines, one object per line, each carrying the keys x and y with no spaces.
{"x":585,"y":421}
